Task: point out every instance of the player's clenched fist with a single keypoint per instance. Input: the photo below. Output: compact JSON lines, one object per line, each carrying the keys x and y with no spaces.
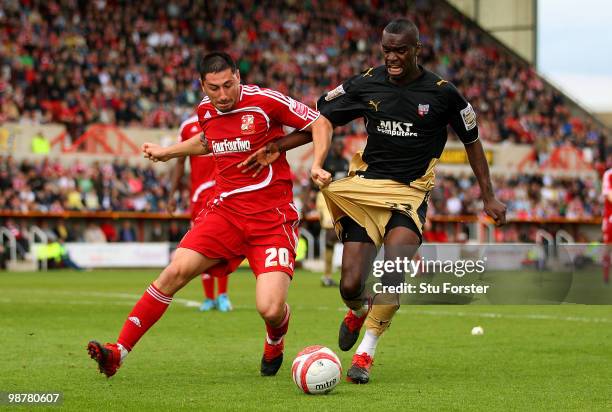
{"x":155,"y":152}
{"x":320,"y":176}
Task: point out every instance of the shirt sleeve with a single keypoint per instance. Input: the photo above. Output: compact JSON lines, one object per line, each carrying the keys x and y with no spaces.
{"x":342,"y":104}
{"x":288,"y":111}
{"x":462,"y":117}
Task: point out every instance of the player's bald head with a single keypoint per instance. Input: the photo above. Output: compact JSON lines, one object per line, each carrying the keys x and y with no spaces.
{"x":401,"y":47}
{"x":403,"y":27}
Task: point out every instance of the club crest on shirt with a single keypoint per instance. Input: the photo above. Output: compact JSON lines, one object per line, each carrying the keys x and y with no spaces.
{"x":423,"y":109}
{"x":248,"y":124}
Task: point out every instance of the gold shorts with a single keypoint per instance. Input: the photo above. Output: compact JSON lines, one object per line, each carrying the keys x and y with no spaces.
{"x":370,"y":202}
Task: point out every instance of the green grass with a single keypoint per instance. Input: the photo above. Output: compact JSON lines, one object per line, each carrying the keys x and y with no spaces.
{"x":530,"y":357}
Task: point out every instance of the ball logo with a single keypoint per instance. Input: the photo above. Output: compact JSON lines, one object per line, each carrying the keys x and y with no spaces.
{"x":248,"y":124}
{"x":327,"y":385}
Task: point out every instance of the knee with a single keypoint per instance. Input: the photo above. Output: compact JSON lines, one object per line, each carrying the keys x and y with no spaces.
{"x":350,"y":282}
{"x":272,"y":311}
{"x":173,"y":278}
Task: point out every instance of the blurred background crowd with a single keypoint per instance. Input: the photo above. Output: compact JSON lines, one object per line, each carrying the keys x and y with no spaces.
{"x":134,"y":63}
{"x":47,"y":186}
{"x":79,"y":62}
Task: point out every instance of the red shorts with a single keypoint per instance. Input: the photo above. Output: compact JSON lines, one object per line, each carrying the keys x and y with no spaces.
{"x":267,"y":239}
{"x":606,"y":226}
{"x":203,"y":199}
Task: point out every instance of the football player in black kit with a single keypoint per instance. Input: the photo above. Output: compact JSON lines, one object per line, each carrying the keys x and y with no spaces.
{"x":383,"y":201}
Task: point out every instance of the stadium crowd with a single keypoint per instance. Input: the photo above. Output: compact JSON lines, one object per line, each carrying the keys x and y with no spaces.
{"x":48,"y":186}
{"x":132,"y":63}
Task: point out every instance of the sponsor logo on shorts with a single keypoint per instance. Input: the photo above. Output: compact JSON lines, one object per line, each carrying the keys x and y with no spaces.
{"x":231,"y":146}
{"x":393,"y":128}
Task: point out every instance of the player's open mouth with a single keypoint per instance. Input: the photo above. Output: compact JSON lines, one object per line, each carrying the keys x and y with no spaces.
{"x":394,"y":70}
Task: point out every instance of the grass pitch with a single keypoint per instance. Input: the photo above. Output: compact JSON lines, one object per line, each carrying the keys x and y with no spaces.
{"x":530,"y":357}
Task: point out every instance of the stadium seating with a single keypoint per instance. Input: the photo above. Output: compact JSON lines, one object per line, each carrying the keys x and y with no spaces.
{"x":140,"y":69}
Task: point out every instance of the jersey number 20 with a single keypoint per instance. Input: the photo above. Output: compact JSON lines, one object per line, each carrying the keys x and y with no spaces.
{"x":281,"y":253}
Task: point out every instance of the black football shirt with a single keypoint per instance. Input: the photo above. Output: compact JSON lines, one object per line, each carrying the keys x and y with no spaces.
{"x":406,"y":124}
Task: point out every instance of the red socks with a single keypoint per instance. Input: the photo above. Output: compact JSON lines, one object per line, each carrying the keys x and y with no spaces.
{"x":222,"y":284}
{"x":275,"y":334}
{"x":208,"y":282}
{"x":145,"y":313}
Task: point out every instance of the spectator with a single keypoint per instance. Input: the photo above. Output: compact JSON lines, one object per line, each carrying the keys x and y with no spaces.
{"x":110,"y":233}
{"x":174,"y":233}
{"x":157,"y":233}
{"x":127,"y":232}
{"x":93,"y":234}
{"x":40,"y":144}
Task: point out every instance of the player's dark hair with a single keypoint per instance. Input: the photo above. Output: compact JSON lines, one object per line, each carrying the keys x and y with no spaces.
{"x":402,"y":26}
{"x":216,"y":62}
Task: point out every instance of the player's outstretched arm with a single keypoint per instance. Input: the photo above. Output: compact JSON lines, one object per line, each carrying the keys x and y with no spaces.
{"x":478,"y":162}
{"x":270,"y":152}
{"x":191,"y":147}
{"x":322,"y":130}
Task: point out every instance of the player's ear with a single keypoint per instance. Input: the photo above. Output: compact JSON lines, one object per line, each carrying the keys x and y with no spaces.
{"x":202,"y":85}
{"x":238,"y":75}
{"x":419,"y":46}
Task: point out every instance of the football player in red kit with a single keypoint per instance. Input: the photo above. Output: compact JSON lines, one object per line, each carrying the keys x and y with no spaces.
{"x":203,"y":171}
{"x":252,"y":217}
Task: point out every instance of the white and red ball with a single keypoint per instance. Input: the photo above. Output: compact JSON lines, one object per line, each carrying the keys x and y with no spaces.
{"x":316,"y":370}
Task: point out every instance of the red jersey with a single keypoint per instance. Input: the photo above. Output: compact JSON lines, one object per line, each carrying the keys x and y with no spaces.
{"x":203,"y":168}
{"x":606,"y":189}
{"x":256,"y":119}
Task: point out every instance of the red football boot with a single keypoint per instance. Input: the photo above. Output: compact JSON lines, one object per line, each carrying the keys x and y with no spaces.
{"x":360,"y":368}
{"x":107,"y":356}
{"x":272,"y":358}
{"x":349,"y":329}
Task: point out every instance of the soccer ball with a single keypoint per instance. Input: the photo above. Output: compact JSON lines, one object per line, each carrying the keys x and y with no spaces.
{"x":477,"y":330}
{"x":316,"y":370}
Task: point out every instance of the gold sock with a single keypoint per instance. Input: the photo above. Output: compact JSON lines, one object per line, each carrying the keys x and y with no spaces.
{"x":379,"y":318}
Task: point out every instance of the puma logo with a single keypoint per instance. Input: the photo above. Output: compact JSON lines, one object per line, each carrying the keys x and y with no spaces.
{"x":368,"y":72}
{"x":374,"y":104}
